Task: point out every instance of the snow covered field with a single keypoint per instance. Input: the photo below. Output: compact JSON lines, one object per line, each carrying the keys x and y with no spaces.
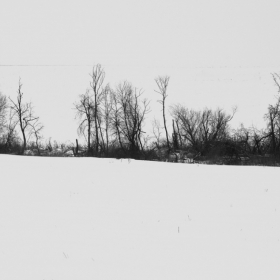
{"x":88,"y":218}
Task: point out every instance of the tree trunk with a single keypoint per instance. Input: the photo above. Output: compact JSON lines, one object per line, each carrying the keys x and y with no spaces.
{"x":175,"y":137}
{"x":89,"y":129}
{"x":101,"y":135}
{"x":96,"y":126}
{"x":164,"y":121}
{"x":24,"y":141}
{"x":107,"y":141}
{"x":23,"y":135}
{"x":272,"y":134}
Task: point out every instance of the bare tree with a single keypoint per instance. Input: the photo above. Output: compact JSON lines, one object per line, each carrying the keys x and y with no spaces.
{"x":3,"y":111}
{"x":89,"y":112}
{"x":189,"y":124}
{"x":9,"y":136}
{"x":97,"y":77}
{"x":162,"y":83}
{"x":259,"y":138}
{"x":129,"y":116}
{"x":273,"y":123}
{"x":201,"y":129}
{"x":36,"y":129}
{"x":244,"y":137}
{"x":107,"y":108}
{"x":273,"y":118}
{"x":84,"y":109}
{"x":116,"y":120}
{"x":214,"y":127}
{"x":24,"y":113}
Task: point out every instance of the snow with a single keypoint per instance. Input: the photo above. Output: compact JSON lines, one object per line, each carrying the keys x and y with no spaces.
{"x":89,"y":218}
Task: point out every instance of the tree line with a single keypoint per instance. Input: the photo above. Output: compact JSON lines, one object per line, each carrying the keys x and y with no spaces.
{"x":111,"y":121}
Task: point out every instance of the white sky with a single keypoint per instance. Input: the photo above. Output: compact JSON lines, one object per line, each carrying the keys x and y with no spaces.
{"x":217,"y":53}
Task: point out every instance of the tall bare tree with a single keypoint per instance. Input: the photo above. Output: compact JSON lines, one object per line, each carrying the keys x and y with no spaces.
{"x":24,"y":113}
{"x":107,"y":109}
{"x":129,"y":115}
{"x":84,"y":109}
{"x":273,"y":120}
{"x":97,"y":79}
{"x":273,"y":123}
{"x":116,"y":120}
{"x":162,"y":83}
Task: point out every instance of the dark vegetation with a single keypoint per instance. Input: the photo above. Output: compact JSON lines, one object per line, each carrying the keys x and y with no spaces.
{"x":111,"y":121}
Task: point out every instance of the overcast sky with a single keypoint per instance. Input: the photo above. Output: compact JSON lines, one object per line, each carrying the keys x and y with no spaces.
{"x":217,"y":54}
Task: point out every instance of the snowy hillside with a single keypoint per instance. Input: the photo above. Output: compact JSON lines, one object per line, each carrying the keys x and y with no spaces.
{"x":88,"y":218}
